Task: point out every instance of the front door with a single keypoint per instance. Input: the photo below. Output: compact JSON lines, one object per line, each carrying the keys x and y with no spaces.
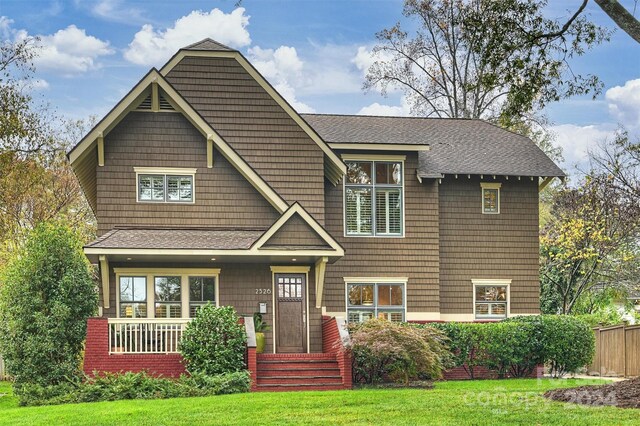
{"x":291,"y":333}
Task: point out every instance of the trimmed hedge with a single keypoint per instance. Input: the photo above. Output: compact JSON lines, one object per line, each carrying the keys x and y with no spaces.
{"x":113,"y":387}
{"x":514,"y":347}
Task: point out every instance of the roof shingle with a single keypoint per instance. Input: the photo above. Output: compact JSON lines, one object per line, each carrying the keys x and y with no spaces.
{"x":457,"y":146}
{"x":177,"y":239}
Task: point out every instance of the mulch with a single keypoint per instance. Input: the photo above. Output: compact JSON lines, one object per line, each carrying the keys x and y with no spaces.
{"x":624,"y":394}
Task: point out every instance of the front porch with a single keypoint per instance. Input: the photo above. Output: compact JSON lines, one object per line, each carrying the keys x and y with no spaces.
{"x":117,"y":345}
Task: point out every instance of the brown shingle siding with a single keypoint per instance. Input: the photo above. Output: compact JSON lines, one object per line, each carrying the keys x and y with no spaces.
{"x":479,"y":246}
{"x":255,"y":126}
{"x":414,"y":256}
{"x":223,"y":198}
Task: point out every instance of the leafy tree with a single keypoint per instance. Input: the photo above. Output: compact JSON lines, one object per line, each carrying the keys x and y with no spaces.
{"x":48,"y":293}
{"x":456,"y":64}
{"x":591,"y":241}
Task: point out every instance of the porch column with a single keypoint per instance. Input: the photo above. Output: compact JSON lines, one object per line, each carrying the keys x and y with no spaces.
{"x":104,"y":275}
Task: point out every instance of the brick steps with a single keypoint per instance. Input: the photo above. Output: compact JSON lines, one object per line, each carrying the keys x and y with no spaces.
{"x":295,"y":372}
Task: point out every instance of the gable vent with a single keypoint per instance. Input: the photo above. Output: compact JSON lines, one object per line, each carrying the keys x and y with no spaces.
{"x":145,"y":105}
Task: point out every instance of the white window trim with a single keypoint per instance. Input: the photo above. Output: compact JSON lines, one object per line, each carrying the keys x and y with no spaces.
{"x":373,"y":159}
{"x":376,"y":280}
{"x":166,"y":171}
{"x":489,"y":185}
{"x":491,"y":282}
{"x":151,"y":273}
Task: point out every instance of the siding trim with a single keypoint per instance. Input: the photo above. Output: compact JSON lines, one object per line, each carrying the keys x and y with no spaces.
{"x":380,"y":147}
{"x":296,"y":208}
{"x":337,"y":169}
{"x":80,"y":152}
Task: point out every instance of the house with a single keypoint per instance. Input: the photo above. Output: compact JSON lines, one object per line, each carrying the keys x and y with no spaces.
{"x":209,"y":187}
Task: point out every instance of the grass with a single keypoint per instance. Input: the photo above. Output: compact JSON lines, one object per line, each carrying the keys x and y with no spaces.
{"x":455,"y":403}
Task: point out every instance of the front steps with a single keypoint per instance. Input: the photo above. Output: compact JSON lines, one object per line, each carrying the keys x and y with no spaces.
{"x":295,"y":372}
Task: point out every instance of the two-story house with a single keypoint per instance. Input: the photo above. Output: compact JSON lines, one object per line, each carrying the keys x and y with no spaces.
{"x":209,"y":187}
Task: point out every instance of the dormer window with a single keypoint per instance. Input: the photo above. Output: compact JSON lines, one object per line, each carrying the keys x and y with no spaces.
{"x":490,"y":197}
{"x":165,"y":185}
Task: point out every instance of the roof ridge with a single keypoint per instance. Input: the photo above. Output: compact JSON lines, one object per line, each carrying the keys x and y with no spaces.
{"x":204,"y":40}
{"x":393,"y":116}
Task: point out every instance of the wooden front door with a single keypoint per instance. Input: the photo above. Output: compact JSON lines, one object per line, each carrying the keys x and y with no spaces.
{"x":291,"y":336}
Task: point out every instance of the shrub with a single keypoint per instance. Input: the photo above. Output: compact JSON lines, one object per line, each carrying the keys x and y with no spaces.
{"x":463,"y":342}
{"x":511,"y":348}
{"x":569,"y":344}
{"x":46,"y":296}
{"x":214,"y":342}
{"x":383,"y":350}
{"x":113,"y":387}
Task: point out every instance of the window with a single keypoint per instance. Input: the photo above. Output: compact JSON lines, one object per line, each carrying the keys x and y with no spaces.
{"x":490,"y":198}
{"x":133,"y":297}
{"x":201,"y":291}
{"x":168,"y":297}
{"x":491,"y":301}
{"x":373,"y":198}
{"x":165,"y":185}
{"x":375,"y":300}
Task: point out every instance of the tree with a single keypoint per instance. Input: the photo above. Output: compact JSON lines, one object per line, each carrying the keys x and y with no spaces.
{"x":457,"y":65}
{"x":589,"y":243}
{"x":47,"y":294}
{"x":621,"y":17}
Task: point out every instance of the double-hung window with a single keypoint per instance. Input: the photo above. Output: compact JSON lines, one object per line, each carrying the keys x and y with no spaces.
{"x":375,"y":300}
{"x":490,"y":301}
{"x":490,"y":197}
{"x":202,"y":290}
{"x":133,"y":297}
{"x":374,"y":198}
{"x":165,"y":185}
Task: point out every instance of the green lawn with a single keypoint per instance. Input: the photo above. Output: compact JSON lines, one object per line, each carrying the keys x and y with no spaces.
{"x":457,"y":403}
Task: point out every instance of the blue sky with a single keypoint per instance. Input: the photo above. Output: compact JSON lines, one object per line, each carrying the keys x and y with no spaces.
{"x":314,"y":52}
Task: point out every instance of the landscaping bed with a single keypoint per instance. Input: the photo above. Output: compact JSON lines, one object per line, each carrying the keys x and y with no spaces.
{"x":625,"y":394}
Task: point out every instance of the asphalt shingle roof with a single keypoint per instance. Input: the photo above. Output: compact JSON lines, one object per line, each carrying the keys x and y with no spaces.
{"x":457,"y":146}
{"x":177,"y":239}
{"x":207,"y":44}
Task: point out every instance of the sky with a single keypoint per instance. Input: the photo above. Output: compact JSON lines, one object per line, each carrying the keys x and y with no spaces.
{"x":315,"y":52}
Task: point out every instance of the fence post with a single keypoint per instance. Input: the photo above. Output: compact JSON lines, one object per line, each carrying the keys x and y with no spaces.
{"x":624,"y":348}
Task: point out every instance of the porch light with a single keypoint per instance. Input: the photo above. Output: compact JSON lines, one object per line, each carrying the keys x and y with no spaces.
{"x":293,"y":260}
{"x":213,"y":258}
{"x":128,"y":258}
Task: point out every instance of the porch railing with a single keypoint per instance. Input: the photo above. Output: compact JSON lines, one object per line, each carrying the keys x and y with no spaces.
{"x":145,"y":336}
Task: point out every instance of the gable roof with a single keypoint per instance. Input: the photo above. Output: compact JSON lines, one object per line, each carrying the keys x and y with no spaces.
{"x":334,"y":168}
{"x":208,"y":44}
{"x":81,"y":153}
{"x":457,"y":146}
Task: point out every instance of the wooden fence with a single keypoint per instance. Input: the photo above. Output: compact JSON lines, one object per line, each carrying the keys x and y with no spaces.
{"x":617,"y":351}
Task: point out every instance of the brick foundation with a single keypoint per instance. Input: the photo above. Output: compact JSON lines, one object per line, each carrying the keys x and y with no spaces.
{"x":98,"y":360}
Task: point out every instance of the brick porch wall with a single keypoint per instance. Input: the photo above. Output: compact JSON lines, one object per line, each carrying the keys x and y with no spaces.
{"x":98,"y":360}
{"x":331,"y":343}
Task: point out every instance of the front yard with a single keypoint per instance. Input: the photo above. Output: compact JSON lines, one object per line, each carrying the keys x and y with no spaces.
{"x":459,"y":403}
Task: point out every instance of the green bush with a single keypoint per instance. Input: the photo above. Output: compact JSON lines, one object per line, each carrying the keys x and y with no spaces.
{"x":214,"y":342}
{"x":463,"y":342}
{"x":516,"y":346}
{"x":46,"y":296}
{"x":113,"y":387}
{"x":383,"y":350}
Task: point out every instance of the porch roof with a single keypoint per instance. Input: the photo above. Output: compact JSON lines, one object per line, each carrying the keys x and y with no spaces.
{"x":198,"y":239}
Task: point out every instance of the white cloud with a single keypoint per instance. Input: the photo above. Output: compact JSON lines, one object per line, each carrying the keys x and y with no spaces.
{"x":70,"y":51}
{"x":152,"y":47}
{"x":624,"y":103}
{"x":113,"y":10}
{"x":283,"y":68}
{"x":577,"y":141}
{"x":402,"y":110}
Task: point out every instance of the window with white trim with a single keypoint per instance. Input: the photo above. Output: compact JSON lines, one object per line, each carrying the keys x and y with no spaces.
{"x":133,"y":297}
{"x":202,"y":290}
{"x":165,"y":188}
{"x":490,"y":197}
{"x":373,"y":198}
{"x":168,"y":297}
{"x":375,"y":300}
{"x":491,"y":301}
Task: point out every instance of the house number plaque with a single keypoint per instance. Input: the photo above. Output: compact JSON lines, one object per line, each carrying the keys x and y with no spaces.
{"x":263,"y":291}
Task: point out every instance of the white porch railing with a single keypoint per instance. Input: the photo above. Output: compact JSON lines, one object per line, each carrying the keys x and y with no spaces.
{"x":145,"y":336}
